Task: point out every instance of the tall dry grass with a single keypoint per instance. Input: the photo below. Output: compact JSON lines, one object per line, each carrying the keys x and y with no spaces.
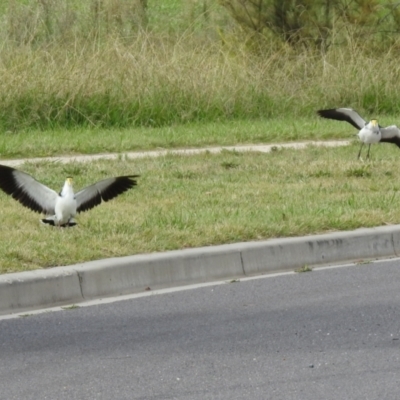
{"x":103,"y":71}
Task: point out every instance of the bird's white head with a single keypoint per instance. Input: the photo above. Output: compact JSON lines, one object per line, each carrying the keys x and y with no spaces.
{"x":67,"y":189}
{"x":374,"y":122}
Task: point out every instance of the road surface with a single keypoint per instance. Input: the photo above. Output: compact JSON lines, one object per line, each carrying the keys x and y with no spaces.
{"x":327,"y":334}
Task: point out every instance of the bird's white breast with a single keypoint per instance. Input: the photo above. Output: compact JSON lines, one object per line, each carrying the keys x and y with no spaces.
{"x":370,"y":134}
{"x":65,"y":209}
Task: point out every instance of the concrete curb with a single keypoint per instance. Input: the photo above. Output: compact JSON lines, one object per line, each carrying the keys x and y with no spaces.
{"x":126,"y":275}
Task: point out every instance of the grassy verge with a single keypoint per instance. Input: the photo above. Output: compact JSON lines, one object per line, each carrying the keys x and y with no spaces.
{"x":206,"y":200}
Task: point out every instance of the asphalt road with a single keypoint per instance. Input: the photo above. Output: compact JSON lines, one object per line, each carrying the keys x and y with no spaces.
{"x":327,"y":334}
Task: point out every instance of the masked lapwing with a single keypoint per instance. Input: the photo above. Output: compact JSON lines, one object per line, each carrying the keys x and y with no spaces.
{"x":369,"y":132}
{"x":60,"y":208}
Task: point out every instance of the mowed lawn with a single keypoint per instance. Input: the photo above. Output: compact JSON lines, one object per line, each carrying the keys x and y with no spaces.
{"x":202,"y":200}
{"x":36,"y":143}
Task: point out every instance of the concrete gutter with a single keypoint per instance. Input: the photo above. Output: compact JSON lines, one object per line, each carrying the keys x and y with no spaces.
{"x":160,"y":153}
{"x":125,"y":275}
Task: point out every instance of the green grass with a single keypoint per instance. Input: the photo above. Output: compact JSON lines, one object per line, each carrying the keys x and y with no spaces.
{"x":81,"y":78}
{"x":32,"y":143}
{"x":204,"y":200}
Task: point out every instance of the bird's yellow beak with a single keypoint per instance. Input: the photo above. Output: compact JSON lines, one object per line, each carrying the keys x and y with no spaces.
{"x":69,"y":181}
{"x":374,"y":122}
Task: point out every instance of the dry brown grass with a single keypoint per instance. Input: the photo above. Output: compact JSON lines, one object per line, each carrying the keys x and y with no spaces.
{"x":152,"y":78}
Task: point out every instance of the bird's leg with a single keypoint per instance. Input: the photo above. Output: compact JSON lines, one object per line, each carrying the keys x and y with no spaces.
{"x":369,"y":147}
{"x":359,"y":153}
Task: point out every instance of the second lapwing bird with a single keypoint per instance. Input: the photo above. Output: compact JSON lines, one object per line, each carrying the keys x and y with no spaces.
{"x":60,"y":208}
{"x":369,"y":132}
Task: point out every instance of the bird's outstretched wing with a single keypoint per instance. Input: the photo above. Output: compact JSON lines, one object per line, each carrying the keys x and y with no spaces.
{"x":344,"y":114}
{"x":27,"y":190}
{"x":391,"y":134}
{"x":104,"y":190}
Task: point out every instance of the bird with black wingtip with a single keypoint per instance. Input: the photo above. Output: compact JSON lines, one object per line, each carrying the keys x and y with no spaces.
{"x":60,"y":208}
{"x":369,"y":132}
